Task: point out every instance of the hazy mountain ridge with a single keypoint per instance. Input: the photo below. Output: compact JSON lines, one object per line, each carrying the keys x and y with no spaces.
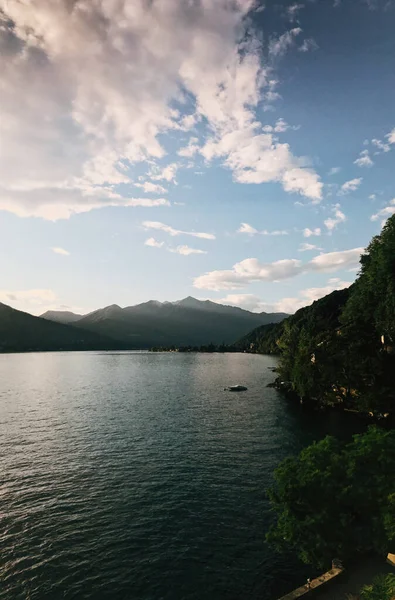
{"x":185,"y":322}
{"x":22,"y":332}
{"x":61,"y":316}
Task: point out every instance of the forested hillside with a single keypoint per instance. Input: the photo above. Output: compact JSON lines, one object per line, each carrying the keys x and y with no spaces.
{"x":340,"y":350}
{"x":21,"y":332}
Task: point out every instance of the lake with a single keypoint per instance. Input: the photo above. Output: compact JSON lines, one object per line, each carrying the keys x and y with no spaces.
{"x":136,"y":476}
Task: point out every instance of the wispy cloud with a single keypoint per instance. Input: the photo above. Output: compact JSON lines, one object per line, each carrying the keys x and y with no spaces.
{"x":183,"y":250}
{"x":281,"y":126}
{"x":308,"y":296}
{"x":252,"y":270}
{"x":308,"y":247}
{"x":167,"y":173}
{"x":287,"y":305}
{"x":391,"y":136}
{"x":186,"y":250}
{"x":279,"y":46}
{"x":381,"y":146}
{"x":174,"y":232}
{"x":153,"y":243}
{"x":308,"y":45}
{"x":350,"y":186}
{"x":151,"y":188}
{"x":364,"y":159}
{"x":62,"y":251}
{"x":334,"y":170}
{"x":311,"y":232}
{"x":191,"y":149}
{"x":248,"y":229}
{"x":339,"y":217}
{"x":293,"y":10}
{"x":113,"y":109}
{"x":385,"y":212}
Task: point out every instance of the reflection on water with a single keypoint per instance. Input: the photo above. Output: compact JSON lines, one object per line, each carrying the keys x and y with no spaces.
{"x":134,"y":475}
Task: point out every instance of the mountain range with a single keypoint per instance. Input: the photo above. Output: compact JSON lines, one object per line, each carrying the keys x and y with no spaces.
{"x":188,"y":322}
{"x":21,"y":332}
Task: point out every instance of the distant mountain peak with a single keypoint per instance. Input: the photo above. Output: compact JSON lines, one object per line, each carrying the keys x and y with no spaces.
{"x":61,"y":316}
{"x":111,"y":309}
{"x":189,"y":302}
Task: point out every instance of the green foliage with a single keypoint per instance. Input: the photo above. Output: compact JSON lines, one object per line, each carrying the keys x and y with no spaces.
{"x":334,"y":500}
{"x":341,"y":349}
{"x":263,"y":339}
{"x":383,"y":588}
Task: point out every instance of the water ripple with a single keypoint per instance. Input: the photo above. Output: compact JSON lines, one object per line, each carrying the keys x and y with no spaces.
{"x":134,"y":476}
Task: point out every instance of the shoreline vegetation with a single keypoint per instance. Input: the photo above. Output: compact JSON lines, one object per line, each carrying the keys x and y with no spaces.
{"x":339,"y":352}
{"x":335,"y":501}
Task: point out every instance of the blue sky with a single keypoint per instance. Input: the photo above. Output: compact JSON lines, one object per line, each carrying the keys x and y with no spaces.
{"x":221,"y":149}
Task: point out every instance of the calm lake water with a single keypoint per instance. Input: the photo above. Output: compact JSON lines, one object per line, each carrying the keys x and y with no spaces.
{"x":135,"y":476}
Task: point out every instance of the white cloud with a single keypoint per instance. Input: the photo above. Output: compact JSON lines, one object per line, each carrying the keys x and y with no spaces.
{"x":334,"y":170}
{"x":252,"y":270}
{"x":188,"y":122}
{"x":246,"y":301}
{"x":271,"y":95}
{"x":303,"y":181}
{"x":308,"y":296}
{"x":153,"y":243}
{"x":62,"y":251}
{"x":173,"y":232}
{"x":385,"y":212}
{"x":308,"y":247}
{"x":391,"y":136}
{"x":381,"y":146}
{"x":186,"y":250}
{"x":34,"y":297}
{"x":364,"y":159}
{"x":308,"y":44}
{"x":246,"y":228}
{"x":279,"y":46}
{"x":350,"y":186}
{"x":191,"y":149}
{"x":287,"y":305}
{"x":183,"y":250}
{"x":372,"y":197}
{"x":339,"y":217}
{"x":151,"y":188}
{"x":279,"y":127}
{"x":167,"y":173}
{"x":333,"y":261}
{"x":256,"y":158}
{"x":53,"y":207}
{"x":274,"y":232}
{"x":310,"y":232}
{"x":292,"y":11}
{"x":248,"y":271}
{"x":85,"y":121}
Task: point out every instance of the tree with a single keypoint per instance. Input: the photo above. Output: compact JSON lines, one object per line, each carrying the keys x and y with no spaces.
{"x":335,"y":500}
{"x":369,"y":322}
{"x":383,"y":588}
